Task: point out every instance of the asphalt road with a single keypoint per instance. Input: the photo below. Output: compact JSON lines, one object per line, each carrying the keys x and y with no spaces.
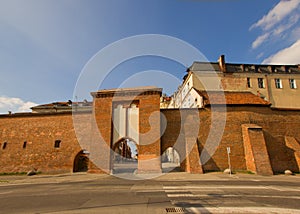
{"x":173,"y":193}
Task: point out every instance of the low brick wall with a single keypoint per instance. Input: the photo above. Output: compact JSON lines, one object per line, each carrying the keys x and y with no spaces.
{"x":275,"y":124}
{"x":40,"y":131}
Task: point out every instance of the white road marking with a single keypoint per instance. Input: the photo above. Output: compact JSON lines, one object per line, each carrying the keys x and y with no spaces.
{"x":188,"y":192}
{"x":186,"y":188}
{"x":241,"y":210}
{"x":3,"y":193}
{"x":230,"y":196}
{"x":213,"y":187}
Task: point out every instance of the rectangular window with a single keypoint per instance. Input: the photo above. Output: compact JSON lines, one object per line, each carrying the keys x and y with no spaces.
{"x":248,"y":82}
{"x":24,"y":144}
{"x":4,"y":145}
{"x":57,"y":144}
{"x":292,"y":83}
{"x":278,"y":83}
{"x":261,"y":83}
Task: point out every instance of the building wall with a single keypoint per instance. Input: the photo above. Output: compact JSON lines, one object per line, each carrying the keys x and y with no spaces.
{"x":275,"y":124}
{"x":284,"y":97}
{"x":40,"y":131}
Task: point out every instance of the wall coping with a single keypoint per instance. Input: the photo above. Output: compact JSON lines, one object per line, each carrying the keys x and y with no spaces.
{"x":150,"y":90}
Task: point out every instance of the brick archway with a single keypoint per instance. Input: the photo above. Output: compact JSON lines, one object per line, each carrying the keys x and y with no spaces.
{"x":81,"y":162}
{"x":171,"y":160}
{"x":114,"y":145}
{"x":124,"y":156}
{"x":145,"y":102}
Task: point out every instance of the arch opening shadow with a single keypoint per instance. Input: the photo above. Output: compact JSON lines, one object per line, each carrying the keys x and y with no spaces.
{"x":170,"y":160}
{"x":125,"y":156}
{"x":81,"y":162}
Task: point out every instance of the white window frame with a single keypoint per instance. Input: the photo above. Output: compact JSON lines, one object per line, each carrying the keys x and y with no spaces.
{"x":261,"y":82}
{"x":278,"y":83}
{"x":249,"y":85}
{"x":292,"y":83}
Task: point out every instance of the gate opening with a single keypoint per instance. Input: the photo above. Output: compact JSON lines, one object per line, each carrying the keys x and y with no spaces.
{"x":170,"y":160}
{"x":81,"y":162}
{"x":125,"y":156}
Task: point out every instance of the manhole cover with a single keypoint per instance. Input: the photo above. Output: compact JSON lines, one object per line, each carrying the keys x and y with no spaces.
{"x":175,"y":210}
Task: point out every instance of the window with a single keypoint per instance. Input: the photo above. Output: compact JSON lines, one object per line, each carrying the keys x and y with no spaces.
{"x":278,"y":83}
{"x":248,"y":82}
{"x":261,"y":83}
{"x":24,"y":144}
{"x":4,"y":145}
{"x":57,"y":143}
{"x":292,"y":83}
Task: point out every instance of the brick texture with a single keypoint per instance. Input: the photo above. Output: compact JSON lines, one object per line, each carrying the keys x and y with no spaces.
{"x":40,"y":131}
{"x":256,"y":154}
{"x":293,"y":144}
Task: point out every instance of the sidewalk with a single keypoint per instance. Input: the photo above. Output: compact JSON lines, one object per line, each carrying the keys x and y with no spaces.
{"x":80,"y":177}
{"x":57,"y":178}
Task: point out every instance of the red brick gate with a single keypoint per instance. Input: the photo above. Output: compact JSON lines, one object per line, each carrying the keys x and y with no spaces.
{"x":147,"y":101}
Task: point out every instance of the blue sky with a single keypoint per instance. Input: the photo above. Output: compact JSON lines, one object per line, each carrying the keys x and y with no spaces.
{"x":45,"y":44}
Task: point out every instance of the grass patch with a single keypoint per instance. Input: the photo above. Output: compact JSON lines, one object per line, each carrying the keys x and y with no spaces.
{"x":17,"y":173}
{"x":12,"y":173}
{"x":245,"y":172}
{"x":211,"y":171}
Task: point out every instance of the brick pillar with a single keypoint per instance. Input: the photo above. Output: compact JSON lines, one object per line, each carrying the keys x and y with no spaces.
{"x":100,"y":153}
{"x":149,"y":160}
{"x":193,"y":164}
{"x":293,"y":144}
{"x":256,"y":154}
{"x":191,"y":130}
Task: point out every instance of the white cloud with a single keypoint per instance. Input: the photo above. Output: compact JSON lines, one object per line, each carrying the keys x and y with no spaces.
{"x":15,"y":105}
{"x":276,"y":22}
{"x":277,"y":14}
{"x":284,"y":27}
{"x":288,"y":55}
{"x":259,"y":40}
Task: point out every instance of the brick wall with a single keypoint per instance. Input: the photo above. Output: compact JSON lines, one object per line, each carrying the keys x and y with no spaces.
{"x":256,"y":154}
{"x":40,"y":133}
{"x":275,"y":125}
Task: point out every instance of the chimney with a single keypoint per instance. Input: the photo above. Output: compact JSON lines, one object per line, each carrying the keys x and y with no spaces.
{"x":222,"y":63}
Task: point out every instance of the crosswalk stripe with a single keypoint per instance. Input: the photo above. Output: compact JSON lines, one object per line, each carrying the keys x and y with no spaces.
{"x":230,"y":196}
{"x":177,"y":194}
{"x":197,"y":210}
{"x":214,"y":187}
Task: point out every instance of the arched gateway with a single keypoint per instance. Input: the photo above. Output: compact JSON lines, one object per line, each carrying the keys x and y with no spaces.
{"x":81,"y":162}
{"x":125,"y":156}
{"x":132,"y":114}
